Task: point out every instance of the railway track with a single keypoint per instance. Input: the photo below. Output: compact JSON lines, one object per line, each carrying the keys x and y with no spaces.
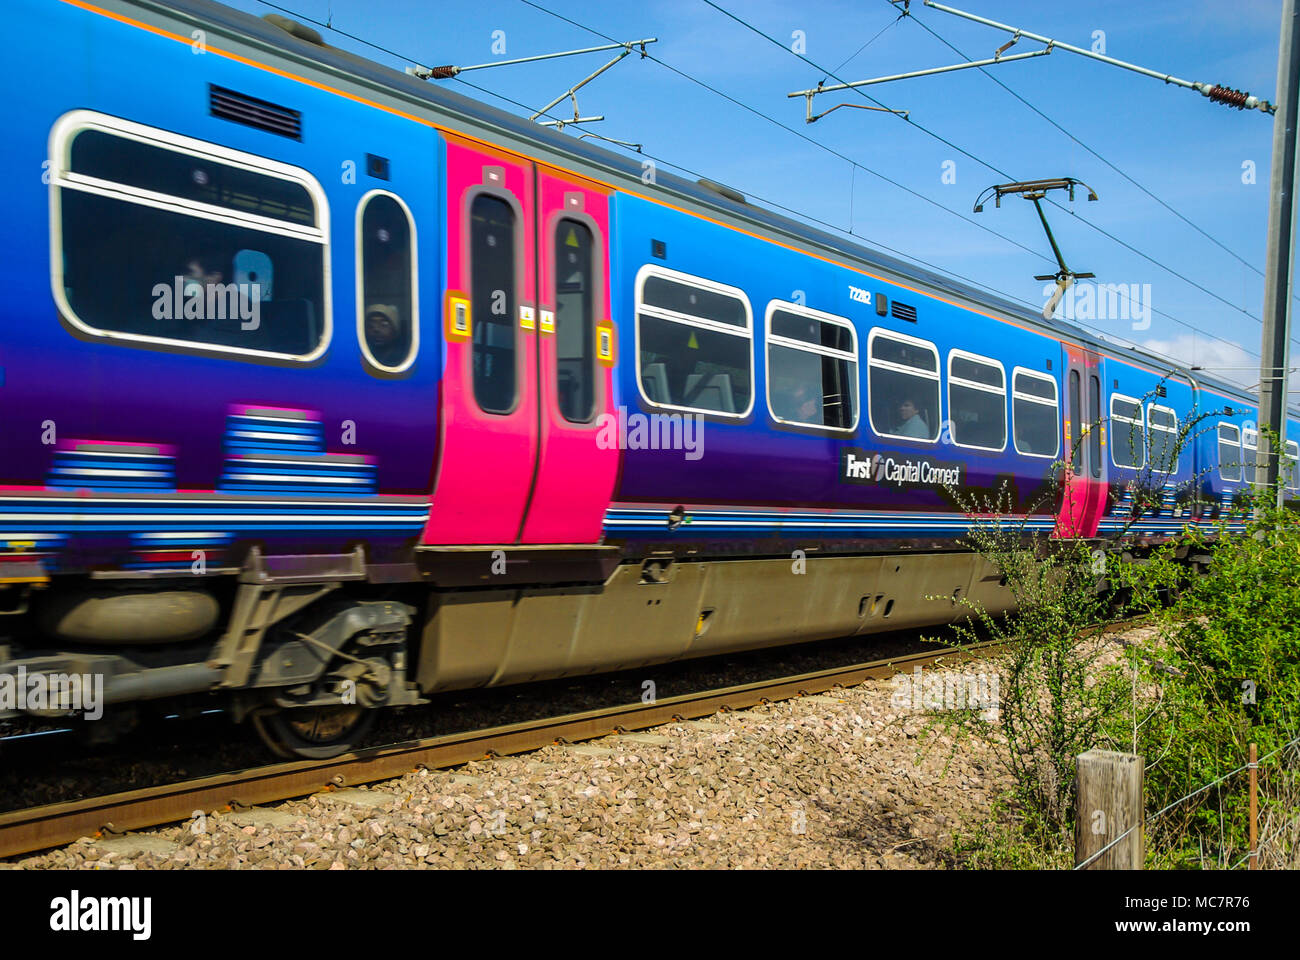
{"x":40,"y":828}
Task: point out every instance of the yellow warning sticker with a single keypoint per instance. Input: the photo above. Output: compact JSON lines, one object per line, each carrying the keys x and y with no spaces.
{"x":605,"y":343}
{"x":457,"y":323}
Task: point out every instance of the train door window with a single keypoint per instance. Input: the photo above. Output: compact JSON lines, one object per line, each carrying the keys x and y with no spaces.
{"x":493,"y":302}
{"x":386,"y":292}
{"x":1229,"y":452}
{"x":694,"y":341}
{"x":575,"y":322}
{"x":1095,"y":428}
{"x":1162,"y":439}
{"x":1292,"y":467}
{"x":902,"y":386}
{"x":1035,"y":413}
{"x":812,"y":367}
{"x":977,"y":401}
{"x":1076,"y":409}
{"x":1249,"y":447}
{"x":164,"y":240}
{"x":1127,"y":433}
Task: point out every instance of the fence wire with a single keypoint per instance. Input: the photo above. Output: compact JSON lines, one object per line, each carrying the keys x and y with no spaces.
{"x":1199,"y":790}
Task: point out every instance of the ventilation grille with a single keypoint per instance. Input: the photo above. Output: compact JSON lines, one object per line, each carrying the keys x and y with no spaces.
{"x":252,"y":112}
{"x":903,"y":311}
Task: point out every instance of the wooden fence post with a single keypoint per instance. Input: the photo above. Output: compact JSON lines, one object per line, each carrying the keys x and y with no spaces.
{"x":1108,"y":803}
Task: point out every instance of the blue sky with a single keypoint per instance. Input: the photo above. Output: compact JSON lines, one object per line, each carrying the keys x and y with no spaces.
{"x":1186,"y":150}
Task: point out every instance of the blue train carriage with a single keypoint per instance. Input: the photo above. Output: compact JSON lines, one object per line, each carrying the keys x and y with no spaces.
{"x":839,"y":402}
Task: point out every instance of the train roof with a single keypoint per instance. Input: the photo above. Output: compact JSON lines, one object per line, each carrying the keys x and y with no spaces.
{"x":545,"y":140}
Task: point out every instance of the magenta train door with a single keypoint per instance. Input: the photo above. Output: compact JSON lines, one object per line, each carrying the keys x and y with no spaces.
{"x":576,"y":471}
{"x":518,"y":453}
{"x":1084,"y":498}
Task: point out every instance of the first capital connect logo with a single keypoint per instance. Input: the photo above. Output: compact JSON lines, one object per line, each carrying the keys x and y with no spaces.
{"x":859,"y":466}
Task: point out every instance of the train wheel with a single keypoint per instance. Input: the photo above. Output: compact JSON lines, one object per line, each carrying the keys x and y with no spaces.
{"x":314,"y":733}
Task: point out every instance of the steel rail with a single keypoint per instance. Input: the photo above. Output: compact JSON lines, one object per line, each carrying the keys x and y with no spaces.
{"x":53,"y":825}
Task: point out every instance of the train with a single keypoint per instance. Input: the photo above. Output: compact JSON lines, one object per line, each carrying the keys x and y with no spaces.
{"x":324,"y":389}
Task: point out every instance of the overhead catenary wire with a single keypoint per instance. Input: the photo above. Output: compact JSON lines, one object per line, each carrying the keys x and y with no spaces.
{"x":637,"y":147}
{"x":880,"y":33}
{"x":744,"y":106}
{"x":1114,"y":338}
{"x":834,"y":152}
{"x":909,"y":257}
{"x":401,"y":56}
{"x":966,"y":153}
{"x":1216,"y":92}
{"x":912,"y":74}
{"x":893,"y":182}
{"x":800,"y":134}
{"x":1222,"y":246}
{"x":806,"y":217}
{"x":1045,"y":116}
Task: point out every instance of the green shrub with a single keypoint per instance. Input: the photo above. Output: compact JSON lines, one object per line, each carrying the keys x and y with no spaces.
{"x":1230,"y":645}
{"x":1221,"y":671}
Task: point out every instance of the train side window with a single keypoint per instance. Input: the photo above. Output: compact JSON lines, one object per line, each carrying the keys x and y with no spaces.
{"x":493,"y":302}
{"x":1127,"y":432}
{"x":388,"y":319}
{"x":1035,"y":413}
{"x":902,"y":386}
{"x":1249,"y":447}
{"x":977,"y":401}
{"x":1162,"y":439}
{"x":1293,"y":468}
{"x":812,"y":367}
{"x":1076,"y":409}
{"x":165,"y":240}
{"x":693,"y":343}
{"x":1229,"y":452}
{"x":575,"y":322}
